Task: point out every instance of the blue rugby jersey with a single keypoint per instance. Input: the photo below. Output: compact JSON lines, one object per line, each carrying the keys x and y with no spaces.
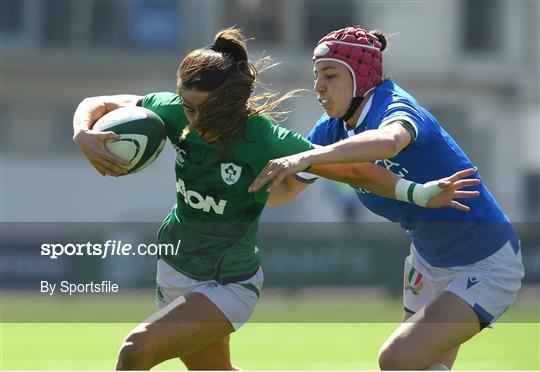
{"x":444,"y":237}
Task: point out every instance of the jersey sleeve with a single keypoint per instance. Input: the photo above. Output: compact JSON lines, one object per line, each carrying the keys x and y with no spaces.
{"x":168,"y":107}
{"x":413,"y":120}
{"x":157,"y":102}
{"x":317,"y":134}
{"x":276,"y":142}
{"x":286,"y":142}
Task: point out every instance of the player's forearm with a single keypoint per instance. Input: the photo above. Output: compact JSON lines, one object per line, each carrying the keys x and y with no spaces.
{"x":285,"y":191}
{"x":91,"y":109}
{"x":380,"y":181}
{"x":366,"y":146}
{"x":88,"y":111}
{"x":367,"y":176}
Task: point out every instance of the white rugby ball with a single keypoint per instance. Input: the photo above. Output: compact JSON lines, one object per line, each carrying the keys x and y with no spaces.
{"x":142,"y":135}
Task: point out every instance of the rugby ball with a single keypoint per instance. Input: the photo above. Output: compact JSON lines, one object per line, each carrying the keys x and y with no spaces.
{"x":142,"y":135}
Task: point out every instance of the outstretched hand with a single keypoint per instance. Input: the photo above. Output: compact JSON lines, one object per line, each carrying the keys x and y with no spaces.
{"x":276,"y":170}
{"x":92,"y":145}
{"x":451,"y":189}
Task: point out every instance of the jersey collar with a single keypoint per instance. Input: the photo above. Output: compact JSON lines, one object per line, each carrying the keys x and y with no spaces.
{"x":363,"y":114}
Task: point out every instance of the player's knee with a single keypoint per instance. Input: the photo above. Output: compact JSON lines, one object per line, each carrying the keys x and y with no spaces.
{"x":396,"y":356}
{"x":387,"y":359}
{"x":135,"y":354}
{"x":213,"y":358}
{"x":209,"y":364}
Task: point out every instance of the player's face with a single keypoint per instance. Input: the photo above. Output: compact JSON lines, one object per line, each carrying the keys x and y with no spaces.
{"x":333,"y":86}
{"x":191,"y":101}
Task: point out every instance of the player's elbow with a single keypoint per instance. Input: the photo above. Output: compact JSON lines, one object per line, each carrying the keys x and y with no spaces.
{"x":393,"y":140}
{"x":92,"y":104}
{"x":91,"y":101}
{"x":390,"y":146}
{"x":273,"y":203}
{"x":285,"y":191}
{"x":277,"y":200}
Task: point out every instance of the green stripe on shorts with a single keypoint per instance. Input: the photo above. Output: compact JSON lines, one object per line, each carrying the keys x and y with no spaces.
{"x":250,"y":287}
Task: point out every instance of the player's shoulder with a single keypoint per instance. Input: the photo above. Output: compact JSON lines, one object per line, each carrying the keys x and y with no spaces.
{"x":261,"y":127}
{"x":390,"y":95}
{"x":263,"y":135}
{"x":391,"y":88}
{"x":390,"y":100}
{"x":168,"y":106}
{"x":326,"y":124}
{"x":158,"y":99}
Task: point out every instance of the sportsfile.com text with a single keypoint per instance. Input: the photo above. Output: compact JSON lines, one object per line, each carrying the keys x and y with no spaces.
{"x":109,"y":248}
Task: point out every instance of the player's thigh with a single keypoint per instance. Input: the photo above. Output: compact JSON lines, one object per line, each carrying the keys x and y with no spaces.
{"x":180,"y":328}
{"x":447,"y":358}
{"x":441,"y":326}
{"x":236,"y":300}
{"x":212,"y":357}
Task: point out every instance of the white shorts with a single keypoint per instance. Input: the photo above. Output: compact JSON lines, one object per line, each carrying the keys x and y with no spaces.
{"x":489,"y":286}
{"x":235,"y":300}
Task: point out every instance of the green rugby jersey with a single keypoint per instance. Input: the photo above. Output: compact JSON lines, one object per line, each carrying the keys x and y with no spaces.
{"x":215,"y":218}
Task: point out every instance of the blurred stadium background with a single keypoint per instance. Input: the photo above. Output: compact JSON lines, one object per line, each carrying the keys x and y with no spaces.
{"x":474,"y":64}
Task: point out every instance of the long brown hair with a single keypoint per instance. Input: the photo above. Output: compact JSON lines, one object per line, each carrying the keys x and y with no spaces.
{"x":223,"y":69}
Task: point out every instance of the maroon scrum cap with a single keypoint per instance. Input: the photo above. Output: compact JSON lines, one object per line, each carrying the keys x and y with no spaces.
{"x":359,"y":51}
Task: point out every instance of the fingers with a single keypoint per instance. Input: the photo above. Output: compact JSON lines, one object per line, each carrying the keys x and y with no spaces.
{"x":461,"y":174}
{"x":106,"y":167}
{"x":108,"y":136}
{"x":260,"y":181}
{"x":111,"y":158}
{"x":93,"y":146}
{"x":457,"y":182}
{"x":276,"y":170}
{"x":106,"y":162}
{"x":466,"y":183}
{"x":100,"y":169}
{"x":465,"y":194}
{"x":459,"y":206}
{"x":443,"y":183}
{"x":266,"y":175}
{"x":277,"y":180}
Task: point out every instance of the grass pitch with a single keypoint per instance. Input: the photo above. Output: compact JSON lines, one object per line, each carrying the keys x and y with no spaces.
{"x":299,"y":334}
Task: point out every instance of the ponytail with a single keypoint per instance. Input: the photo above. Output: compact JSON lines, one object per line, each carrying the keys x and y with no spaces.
{"x":232,"y":43}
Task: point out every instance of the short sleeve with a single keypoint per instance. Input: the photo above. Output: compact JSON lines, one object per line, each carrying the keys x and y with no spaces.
{"x":313,"y":136}
{"x":401,"y":111}
{"x":266,"y":141}
{"x":286,"y":142}
{"x":276,"y":142}
{"x":158,"y":101}
{"x":168,"y":107}
{"x":316,"y":135}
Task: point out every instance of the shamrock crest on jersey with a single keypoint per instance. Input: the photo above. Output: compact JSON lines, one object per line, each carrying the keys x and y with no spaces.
{"x":230,"y":173}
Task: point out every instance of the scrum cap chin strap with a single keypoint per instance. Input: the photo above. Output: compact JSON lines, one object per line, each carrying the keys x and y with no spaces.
{"x":355,"y":103}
